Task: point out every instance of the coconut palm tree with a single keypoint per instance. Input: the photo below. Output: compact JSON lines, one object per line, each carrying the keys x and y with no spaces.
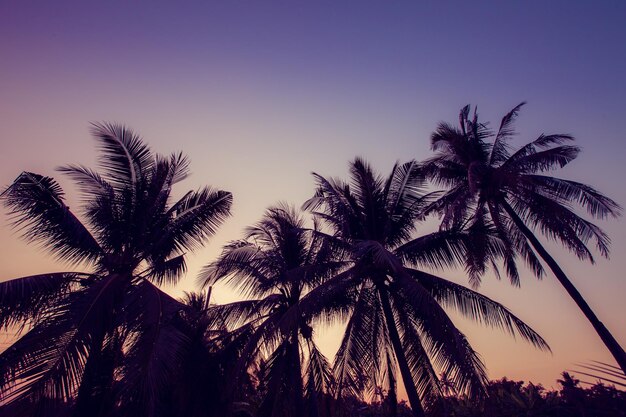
{"x":103,"y":337}
{"x":395,"y":309}
{"x":514,"y":191}
{"x":274,"y":267}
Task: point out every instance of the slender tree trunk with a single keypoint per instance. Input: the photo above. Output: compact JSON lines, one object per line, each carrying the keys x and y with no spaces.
{"x":296,"y":375}
{"x":405,"y":371}
{"x":614,"y":347}
{"x":89,"y":399}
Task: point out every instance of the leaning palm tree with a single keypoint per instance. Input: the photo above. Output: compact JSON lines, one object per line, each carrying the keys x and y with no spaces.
{"x":486,"y":179}
{"x":395,"y":309}
{"x":86,"y":332}
{"x":274,"y":267}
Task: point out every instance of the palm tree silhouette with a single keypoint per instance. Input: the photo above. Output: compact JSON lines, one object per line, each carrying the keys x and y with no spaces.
{"x":86,"y":332}
{"x":197,"y":387}
{"x":396,"y":315}
{"x":277,"y":264}
{"x":510,"y":189}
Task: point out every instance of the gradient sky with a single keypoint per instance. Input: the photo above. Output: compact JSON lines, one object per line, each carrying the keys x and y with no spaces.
{"x":260,"y":94}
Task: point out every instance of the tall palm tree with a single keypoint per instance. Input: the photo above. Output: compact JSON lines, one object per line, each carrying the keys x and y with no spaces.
{"x":274,"y":267}
{"x":513,"y":190}
{"x":111,"y":326}
{"x":395,"y":310}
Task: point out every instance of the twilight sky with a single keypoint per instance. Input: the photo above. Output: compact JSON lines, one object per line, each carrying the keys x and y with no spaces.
{"x":260,"y":94}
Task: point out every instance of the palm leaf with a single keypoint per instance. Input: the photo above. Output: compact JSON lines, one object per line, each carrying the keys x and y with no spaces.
{"x":422,"y":371}
{"x":167,"y":271}
{"x":196,"y":217}
{"x":38,"y":210}
{"x":499,"y":149}
{"x":566,"y":191}
{"x":477,"y":307}
{"x":124,"y":156}
{"x":26,"y":300}
{"x":446,"y":345}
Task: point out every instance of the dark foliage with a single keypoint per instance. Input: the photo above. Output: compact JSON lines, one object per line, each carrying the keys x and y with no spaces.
{"x":514,"y":399}
{"x":105,"y":341}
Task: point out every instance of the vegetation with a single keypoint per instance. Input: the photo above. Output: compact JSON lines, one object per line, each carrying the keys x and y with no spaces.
{"x":513,"y":398}
{"x":107,"y":341}
{"x":105,"y":336}
{"x":278,"y":263}
{"x":488,"y":182}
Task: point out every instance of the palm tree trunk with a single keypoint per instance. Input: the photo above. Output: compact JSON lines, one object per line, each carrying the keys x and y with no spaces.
{"x":392,"y":395}
{"x":405,"y":371}
{"x":89,"y":400}
{"x":296,"y":375}
{"x":614,"y":347}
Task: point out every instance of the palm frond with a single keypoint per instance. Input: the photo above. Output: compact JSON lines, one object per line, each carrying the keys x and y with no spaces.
{"x":477,"y":307}
{"x":28,"y":299}
{"x":330,"y":302}
{"x":596,"y":204}
{"x":537,"y":156}
{"x":238,"y":313}
{"x":603,"y":372}
{"x":356,"y":360}
{"x":318,"y":372}
{"x":124,"y":156}
{"x":499,"y":149}
{"x":559,"y":223}
{"x":196,"y":217}
{"x":438,"y":250}
{"x":36,"y":205}
{"x":422,"y":371}
{"x":240,"y":265}
{"x":166,"y":271}
{"x":446,"y":345}
{"x":88,"y":180}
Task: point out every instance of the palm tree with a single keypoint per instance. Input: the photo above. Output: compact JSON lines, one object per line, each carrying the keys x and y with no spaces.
{"x":274,"y":267}
{"x":512,"y":189}
{"x":86,"y":333}
{"x":196,"y":389}
{"x":395,"y":310}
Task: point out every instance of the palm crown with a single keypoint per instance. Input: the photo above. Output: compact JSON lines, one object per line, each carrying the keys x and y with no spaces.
{"x":275,"y":266}
{"x":396,"y":315}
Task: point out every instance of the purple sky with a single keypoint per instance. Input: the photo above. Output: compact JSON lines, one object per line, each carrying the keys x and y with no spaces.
{"x":260,"y":94}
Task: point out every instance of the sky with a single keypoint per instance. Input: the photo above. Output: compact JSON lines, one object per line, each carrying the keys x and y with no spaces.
{"x":261,"y":94}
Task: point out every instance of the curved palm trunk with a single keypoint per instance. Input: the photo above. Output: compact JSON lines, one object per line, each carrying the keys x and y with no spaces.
{"x":405,"y":371}
{"x":614,"y":347}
